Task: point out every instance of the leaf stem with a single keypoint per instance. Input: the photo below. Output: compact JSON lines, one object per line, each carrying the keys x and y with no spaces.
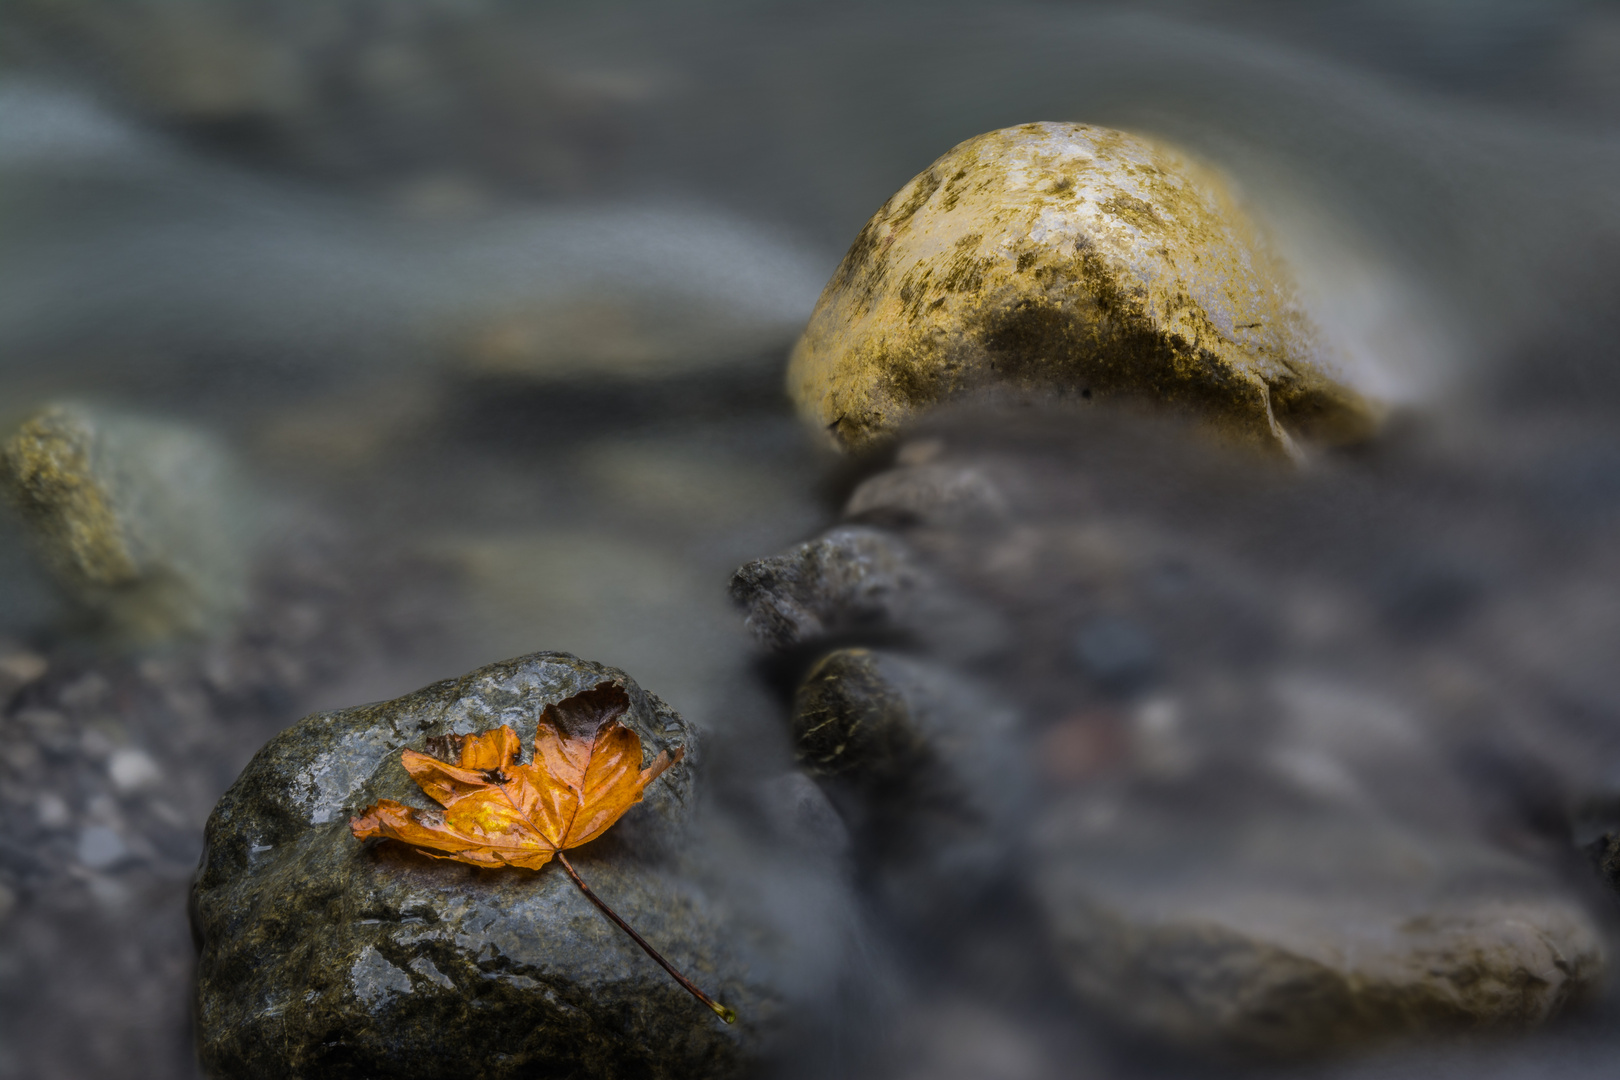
{"x":719,"y":1010}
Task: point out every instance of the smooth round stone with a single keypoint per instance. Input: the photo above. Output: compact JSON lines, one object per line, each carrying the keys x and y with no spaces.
{"x":1070,"y":261}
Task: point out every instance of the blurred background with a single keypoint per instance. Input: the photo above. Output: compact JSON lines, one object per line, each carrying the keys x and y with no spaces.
{"x":489,"y":302}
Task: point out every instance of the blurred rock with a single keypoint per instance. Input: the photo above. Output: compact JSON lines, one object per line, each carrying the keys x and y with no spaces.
{"x":401,"y":97}
{"x":796,"y":810}
{"x":18,"y":667}
{"x":928,"y":765}
{"x":142,"y":523}
{"x":1267,"y":821}
{"x":857,"y":579}
{"x":635,"y":338}
{"x":1605,"y":856}
{"x":936,"y":494}
{"x":850,"y":578}
{"x":344,"y":956}
{"x":1284,"y":932}
{"x":1117,"y":653}
{"x":1070,"y":261}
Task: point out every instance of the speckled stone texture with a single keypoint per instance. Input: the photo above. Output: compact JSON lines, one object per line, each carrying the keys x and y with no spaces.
{"x":1067,"y":260}
{"x":325,"y":957}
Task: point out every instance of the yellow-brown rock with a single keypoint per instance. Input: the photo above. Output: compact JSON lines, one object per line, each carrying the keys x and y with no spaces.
{"x":1069,"y":261}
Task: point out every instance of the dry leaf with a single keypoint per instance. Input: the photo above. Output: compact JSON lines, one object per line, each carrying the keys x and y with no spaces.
{"x":496,"y":812}
{"x":586,"y":773}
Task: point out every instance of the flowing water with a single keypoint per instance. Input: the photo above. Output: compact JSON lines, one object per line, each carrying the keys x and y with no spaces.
{"x":508,"y":289}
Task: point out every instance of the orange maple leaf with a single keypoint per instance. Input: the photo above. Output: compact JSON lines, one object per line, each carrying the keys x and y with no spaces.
{"x":500,"y":813}
{"x":496,"y":812}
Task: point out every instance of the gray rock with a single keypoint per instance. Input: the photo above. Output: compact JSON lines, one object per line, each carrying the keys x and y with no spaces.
{"x":1283,"y":933}
{"x":101,"y":848}
{"x":857,"y":579}
{"x":853,"y":577}
{"x":936,"y":493}
{"x":1116,"y":652}
{"x":141,"y":523}
{"x":322,"y":956}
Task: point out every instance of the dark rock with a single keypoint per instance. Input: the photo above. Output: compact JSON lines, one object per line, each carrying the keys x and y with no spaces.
{"x":1605,"y":855}
{"x":1255,"y":828}
{"x":853,"y":580}
{"x":322,"y":956}
{"x":929,"y":766}
{"x":1116,"y":652}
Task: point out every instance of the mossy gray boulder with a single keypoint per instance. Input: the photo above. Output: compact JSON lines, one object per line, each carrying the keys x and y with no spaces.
{"x":322,"y":956}
{"x":142,"y":523}
{"x":1071,"y":261}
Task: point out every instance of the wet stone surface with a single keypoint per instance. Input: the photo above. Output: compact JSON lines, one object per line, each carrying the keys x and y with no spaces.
{"x":372,"y":959}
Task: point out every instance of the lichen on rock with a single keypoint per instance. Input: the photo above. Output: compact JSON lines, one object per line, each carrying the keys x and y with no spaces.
{"x":1071,"y":261}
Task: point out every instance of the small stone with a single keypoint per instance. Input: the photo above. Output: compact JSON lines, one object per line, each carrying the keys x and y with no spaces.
{"x":132,"y":770}
{"x":1069,"y":261}
{"x":141,"y":523}
{"x":849,"y":578}
{"x":1117,"y":653}
{"x":325,"y":957}
{"x":95,"y":744}
{"x":18,"y":669}
{"x":100,"y":847}
{"x":52,"y":811}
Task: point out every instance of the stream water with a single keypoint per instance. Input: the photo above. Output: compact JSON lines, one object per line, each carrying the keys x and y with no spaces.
{"x":508,"y":290}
